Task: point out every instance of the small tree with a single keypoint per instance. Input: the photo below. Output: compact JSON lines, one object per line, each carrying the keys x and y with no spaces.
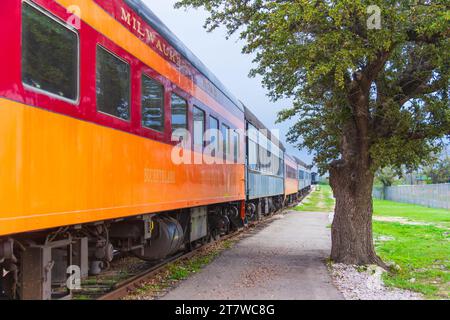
{"x":369,"y":91}
{"x":386,"y":176}
{"x":439,"y":170}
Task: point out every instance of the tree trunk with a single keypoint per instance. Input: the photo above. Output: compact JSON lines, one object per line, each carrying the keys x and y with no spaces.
{"x":352,"y":238}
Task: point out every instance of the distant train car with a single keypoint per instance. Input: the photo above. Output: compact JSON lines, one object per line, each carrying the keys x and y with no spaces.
{"x":304,"y":177}
{"x":265,"y":167}
{"x":314,"y":178}
{"x":117,"y":139}
{"x":291,"y":188}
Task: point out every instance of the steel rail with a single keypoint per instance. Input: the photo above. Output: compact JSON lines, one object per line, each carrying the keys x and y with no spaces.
{"x":125,"y":287}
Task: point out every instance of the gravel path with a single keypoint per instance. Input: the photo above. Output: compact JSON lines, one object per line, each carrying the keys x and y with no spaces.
{"x":286,"y":260}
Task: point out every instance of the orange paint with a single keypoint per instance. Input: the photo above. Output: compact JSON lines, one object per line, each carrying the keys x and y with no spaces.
{"x":57,"y":170}
{"x":291,"y":186}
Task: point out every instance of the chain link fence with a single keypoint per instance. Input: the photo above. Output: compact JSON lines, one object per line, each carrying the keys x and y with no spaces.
{"x":429,"y":195}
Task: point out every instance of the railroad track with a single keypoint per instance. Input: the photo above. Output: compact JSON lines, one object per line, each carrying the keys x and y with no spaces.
{"x":124,"y":288}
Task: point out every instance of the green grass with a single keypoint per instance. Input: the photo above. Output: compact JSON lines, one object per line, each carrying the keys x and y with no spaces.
{"x":422,"y":252}
{"x":319,"y":200}
{"x":411,"y":212}
{"x":181,"y":270}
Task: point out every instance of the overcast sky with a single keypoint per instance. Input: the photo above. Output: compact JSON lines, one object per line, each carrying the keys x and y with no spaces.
{"x":224,"y":58}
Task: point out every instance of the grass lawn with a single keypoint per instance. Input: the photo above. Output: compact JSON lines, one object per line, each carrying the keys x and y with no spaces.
{"x":320,"y":200}
{"x":411,"y":212}
{"x":421,"y":251}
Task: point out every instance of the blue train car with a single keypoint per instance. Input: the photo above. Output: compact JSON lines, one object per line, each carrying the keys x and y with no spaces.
{"x":264,"y":167}
{"x":304,"y":177}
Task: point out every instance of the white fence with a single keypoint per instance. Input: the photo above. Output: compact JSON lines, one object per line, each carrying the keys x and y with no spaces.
{"x":429,"y":195}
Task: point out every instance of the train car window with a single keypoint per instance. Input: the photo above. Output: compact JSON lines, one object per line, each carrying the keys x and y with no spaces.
{"x":252,"y":133}
{"x":252,"y":155}
{"x":179,"y":113}
{"x":49,"y":54}
{"x":236,"y":146}
{"x":152,"y":104}
{"x":262,"y":140}
{"x":263,"y":161}
{"x":113,"y":85}
{"x":301,"y":175}
{"x":226,"y":139}
{"x":275,"y":163}
{"x":280,"y":167}
{"x":290,"y":172}
{"x":214,"y":134}
{"x":199,"y":126}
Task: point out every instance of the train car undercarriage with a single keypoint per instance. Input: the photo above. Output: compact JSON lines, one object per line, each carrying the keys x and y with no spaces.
{"x":46,"y":265}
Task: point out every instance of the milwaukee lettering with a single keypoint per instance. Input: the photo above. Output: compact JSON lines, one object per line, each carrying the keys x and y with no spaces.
{"x":149,"y":36}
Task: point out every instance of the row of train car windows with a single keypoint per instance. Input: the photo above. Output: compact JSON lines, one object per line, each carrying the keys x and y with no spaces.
{"x":263,"y":155}
{"x":303,"y":175}
{"x":50,"y":64}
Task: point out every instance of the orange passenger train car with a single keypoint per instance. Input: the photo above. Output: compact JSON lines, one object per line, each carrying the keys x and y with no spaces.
{"x":91,"y":94}
{"x":116,"y":139}
{"x":68,"y":160}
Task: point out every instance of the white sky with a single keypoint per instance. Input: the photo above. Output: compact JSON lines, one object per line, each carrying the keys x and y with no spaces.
{"x":224,"y":58}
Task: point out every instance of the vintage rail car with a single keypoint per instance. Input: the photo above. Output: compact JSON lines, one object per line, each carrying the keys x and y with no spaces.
{"x":291,"y":187}
{"x":265,"y":168}
{"x":88,"y":111}
{"x":304,"y":177}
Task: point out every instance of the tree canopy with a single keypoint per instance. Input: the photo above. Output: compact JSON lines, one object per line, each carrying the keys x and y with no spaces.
{"x":370,"y":85}
{"x":392,"y":83}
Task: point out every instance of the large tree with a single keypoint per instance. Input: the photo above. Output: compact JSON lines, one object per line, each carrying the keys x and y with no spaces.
{"x":364,"y":97}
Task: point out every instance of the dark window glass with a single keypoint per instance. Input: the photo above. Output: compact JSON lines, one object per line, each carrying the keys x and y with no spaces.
{"x":179,"y":113}
{"x":113,"y":85}
{"x":252,"y":155}
{"x":225,"y":139}
{"x":301,"y":175}
{"x":49,"y":54}
{"x":199,"y":126}
{"x":280,"y":167}
{"x":236,"y":146}
{"x":152,"y":104}
{"x":263,"y":159}
{"x":290,"y":172}
{"x":214,"y":134}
